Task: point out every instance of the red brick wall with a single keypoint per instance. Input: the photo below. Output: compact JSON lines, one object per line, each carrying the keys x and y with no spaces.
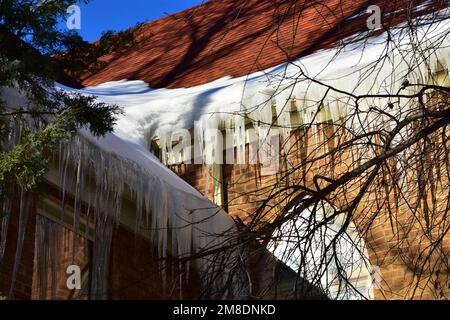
{"x":137,"y":272}
{"x":63,"y":255}
{"x":245,"y":188}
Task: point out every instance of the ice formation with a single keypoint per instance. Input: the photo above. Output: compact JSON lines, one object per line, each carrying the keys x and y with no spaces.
{"x":322,"y":80}
{"x":4,"y":222}
{"x":25,"y":206}
{"x":179,"y":220}
{"x":12,"y":97}
{"x":264,"y":96}
{"x":169,"y":203}
{"x":47,"y":248}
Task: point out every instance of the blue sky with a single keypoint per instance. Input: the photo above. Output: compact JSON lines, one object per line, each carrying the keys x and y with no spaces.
{"x":102,"y":15}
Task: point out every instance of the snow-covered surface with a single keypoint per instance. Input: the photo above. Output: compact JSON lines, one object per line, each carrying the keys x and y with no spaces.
{"x":147,"y":162}
{"x":177,"y":218}
{"x":158,"y":112}
{"x":150,"y":113}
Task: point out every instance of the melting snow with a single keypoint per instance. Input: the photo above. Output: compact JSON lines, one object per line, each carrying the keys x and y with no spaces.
{"x":151,"y":113}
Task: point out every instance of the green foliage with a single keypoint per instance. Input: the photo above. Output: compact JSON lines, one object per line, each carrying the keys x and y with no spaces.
{"x":27,"y":162}
{"x":83,"y":56}
{"x":33,"y":54}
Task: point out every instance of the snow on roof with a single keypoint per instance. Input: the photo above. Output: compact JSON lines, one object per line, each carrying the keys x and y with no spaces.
{"x":147,"y":162}
{"x":353,"y":68}
{"x":177,"y":218}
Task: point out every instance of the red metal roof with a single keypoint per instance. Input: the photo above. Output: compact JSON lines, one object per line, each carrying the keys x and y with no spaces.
{"x":238,"y":37}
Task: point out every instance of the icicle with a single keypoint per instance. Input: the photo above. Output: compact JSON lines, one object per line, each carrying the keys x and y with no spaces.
{"x":46,"y":254}
{"x":63,"y":166}
{"x":239,"y":128}
{"x":41,"y":257}
{"x":166,"y":146}
{"x":100,"y":258}
{"x":283,"y":108}
{"x":230,"y":140}
{"x":4,"y":222}
{"x":25,"y":204}
{"x":198,"y":143}
{"x":213,"y":141}
{"x":265,"y":120}
{"x":76,"y":212}
{"x":214,"y":147}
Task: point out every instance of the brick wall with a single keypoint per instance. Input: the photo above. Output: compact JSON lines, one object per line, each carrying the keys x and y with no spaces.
{"x":135,"y":270}
{"x":397,"y":248}
{"x":137,"y":273}
{"x":49,"y":248}
{"x":56,"y":248}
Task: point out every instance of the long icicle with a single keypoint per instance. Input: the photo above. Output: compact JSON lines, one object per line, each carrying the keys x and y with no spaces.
{"x":25,"y":202}
{"x":100,"y":262}
{"x":4,"y":223}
